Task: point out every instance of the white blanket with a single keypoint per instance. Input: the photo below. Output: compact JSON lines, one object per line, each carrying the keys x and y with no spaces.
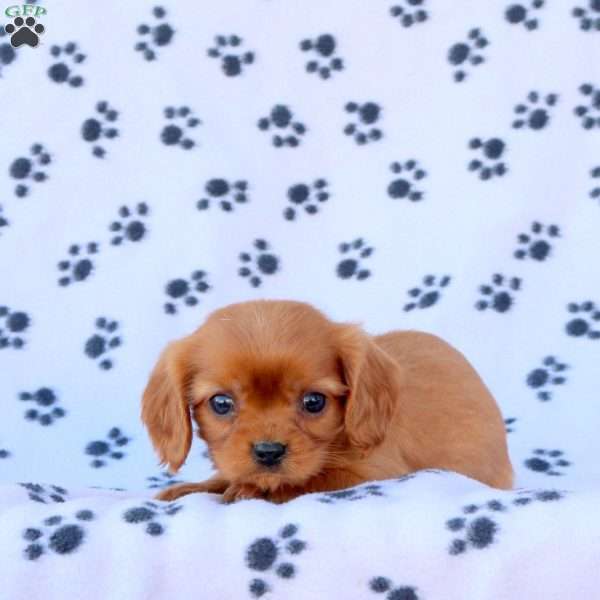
{"x":432,"y":535}
{"x":402,"y":163}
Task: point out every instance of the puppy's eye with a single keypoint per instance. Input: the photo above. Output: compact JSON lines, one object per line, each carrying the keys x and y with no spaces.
{"x":221,"y":404}
{"x":313,"y":402}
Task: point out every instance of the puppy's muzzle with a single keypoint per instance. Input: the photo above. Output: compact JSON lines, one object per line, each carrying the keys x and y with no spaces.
{"x":268,"y":454}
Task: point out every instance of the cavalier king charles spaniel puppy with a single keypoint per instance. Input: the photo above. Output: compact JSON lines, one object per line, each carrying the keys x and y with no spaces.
{"x":290,"y":402}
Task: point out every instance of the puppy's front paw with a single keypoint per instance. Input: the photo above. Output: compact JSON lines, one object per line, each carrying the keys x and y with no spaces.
{"x":215,"y":485}
{"x":243,"y":491}
{"x":170,"y":494}
{"x":281,"y":495}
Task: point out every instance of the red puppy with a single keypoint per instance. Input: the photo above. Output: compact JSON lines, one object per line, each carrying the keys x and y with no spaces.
{"x":290,"y":402}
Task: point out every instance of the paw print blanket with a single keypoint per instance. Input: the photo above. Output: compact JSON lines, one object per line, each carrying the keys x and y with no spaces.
{"x":405,"y":164}
{"x":429,"y":535}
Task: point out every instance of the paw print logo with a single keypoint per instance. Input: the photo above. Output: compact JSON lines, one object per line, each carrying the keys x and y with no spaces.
{"x":382,"y":585}
{"x":548,"y":462}
{"x":106,"y":449}
{"x":68,"y":57}
{"x":152,"y":515}
{"x":535,"y":244}
{"x":4,"y":222}
{"x":585,"y":323}
{"x":30,"y":168}
{"x":130,"y":226}
{"x":181,"y":121}
{"x":78,"y":266}
{"x":44,"y":398}
{"x":406,"y":184}
{"x":99,"y":345}
{"x":7,"y":52}
{"x":325,"y":61}
{"x":533,"y":113}
{"x":351,"y":494}
{"x":94,"y":129}
{"x":185,"y":291}
{"x":281,"y":118}
{"x":467,"y":53}
{"x":264,"y":554}
{"x":24,"y":31}
{"x":498,"y":296}
{"x":62,"y":537}
{"x":521,"y":14}
{"x":308,"y":196}
{"x":410,"y":13}
{"x":47,"y":494}
{"x":589,"y":115}
{"x":544,"y":378}
{"x":265,"y":263}
{"x":509,"y":424}
{"x":153,"y":37}
{"x":226,"y":193}
{"x":165,"y":479}
{"x":13,"y":325}
{"x":427,"y":295}
{"x":233,"y":58}
{"x":491,"y":164}
{"x":366,"y":116}
{"x":595,"y":191}
{"x":588,"y":17}
{"x":350,"y":267}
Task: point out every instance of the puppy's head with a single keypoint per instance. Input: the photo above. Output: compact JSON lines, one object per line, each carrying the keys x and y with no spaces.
{"x":278,"y":392}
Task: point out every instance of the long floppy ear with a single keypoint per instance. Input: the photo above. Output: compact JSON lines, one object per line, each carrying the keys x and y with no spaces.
{"x":374,"y":380}
{"x":165,"y":410}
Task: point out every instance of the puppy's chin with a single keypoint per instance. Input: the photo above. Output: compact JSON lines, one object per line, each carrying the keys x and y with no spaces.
{"x":269,"y":480}
{"x":294,"y":471}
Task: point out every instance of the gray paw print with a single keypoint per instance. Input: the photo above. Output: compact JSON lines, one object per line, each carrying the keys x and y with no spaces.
{"x":498,"y":296}
{"x":152,"y":515}
{"x":549,"y":462}
{"x":428,"y":294}
{"x":102,"y":450}
{"x":264,"y":555}
{"x":101,"y":343}
{"x":44,"y":398}
{"x":586,"y":320}
{"x":62,"y":537}
{"x":264,"y":261}
{"x":351,"y":268}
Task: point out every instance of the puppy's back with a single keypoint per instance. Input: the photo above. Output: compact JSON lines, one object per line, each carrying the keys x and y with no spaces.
{"x":446,"y":417}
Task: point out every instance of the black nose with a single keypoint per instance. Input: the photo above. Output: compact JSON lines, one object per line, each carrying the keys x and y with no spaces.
{"x":268,"y":453}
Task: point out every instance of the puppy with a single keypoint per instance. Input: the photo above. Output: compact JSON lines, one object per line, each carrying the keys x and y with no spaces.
{"x":290,"y":402}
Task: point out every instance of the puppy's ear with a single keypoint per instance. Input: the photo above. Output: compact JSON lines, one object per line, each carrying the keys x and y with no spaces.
{"x":374,"y":380}
{"x":165,"y":410}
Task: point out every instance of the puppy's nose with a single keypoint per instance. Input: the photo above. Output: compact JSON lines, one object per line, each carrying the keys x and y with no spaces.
{"x":268,"y":453}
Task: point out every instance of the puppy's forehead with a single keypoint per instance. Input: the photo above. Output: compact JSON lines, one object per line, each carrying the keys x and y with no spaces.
{"x":268,"y":341}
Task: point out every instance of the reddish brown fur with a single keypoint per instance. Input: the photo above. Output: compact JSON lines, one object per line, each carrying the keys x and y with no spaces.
{"x":396,"y":403}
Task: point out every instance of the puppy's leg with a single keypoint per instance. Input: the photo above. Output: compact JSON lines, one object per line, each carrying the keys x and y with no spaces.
{"x":242,"y":491}
{"x":214,"y":485}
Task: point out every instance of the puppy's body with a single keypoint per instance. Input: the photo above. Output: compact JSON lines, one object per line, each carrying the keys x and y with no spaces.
{"x":395,"y":403}
{"x":446,"y":417}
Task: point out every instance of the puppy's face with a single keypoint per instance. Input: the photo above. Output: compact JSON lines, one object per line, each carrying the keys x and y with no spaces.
{"x":273,"y":387}
{"x":270,"y":417}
